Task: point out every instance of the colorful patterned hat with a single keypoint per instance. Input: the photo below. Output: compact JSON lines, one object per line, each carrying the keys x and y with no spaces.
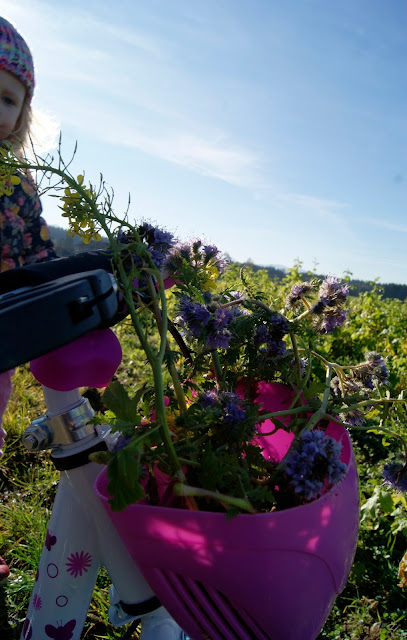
{"x":15,"y":55}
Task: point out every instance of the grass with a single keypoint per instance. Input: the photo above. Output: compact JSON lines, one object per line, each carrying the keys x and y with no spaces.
{"x":28,"y":483}
{"x":372,"y":607}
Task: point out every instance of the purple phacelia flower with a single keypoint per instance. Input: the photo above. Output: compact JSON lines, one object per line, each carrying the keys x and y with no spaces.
{"x":327,"y":311}
{"x":156,"y":242}
{"x":268,"y":337}
{"x":233,"y":411}
{"x":298,"y":291}
{"x":354,"y":418}
{"x":193,"y":315}
{"x":209,"y":399}
{"x":331,"y":319}
{"x":395,"y":476}
{"x":376,"y":366}
{"x":195,"y":254}
{"x":209,"y":323}
{"x":230,"y":405}
{"x":314,"y":463}
{"x":333,"y":292}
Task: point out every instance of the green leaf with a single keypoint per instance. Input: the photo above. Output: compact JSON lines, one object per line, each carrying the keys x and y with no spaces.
{"x":386,"y":502}
{"x":380,"y":502}
{"x":117,"y":400}
{"x":314,"y":389}
{"x":123,"y":472}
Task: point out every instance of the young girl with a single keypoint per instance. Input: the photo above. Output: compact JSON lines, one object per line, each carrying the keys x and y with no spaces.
{"x":24,"y":236}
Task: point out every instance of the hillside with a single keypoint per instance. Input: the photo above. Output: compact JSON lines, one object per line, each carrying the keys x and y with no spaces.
{"x":66,"y":245}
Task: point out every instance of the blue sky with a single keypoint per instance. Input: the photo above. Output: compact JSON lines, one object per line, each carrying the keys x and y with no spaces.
{"x":276,"y":130}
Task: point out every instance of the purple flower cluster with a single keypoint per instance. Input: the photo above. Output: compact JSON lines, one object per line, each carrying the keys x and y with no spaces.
{"x":376,"y":368}
{"x":230,"y":405}
{"x":233,"y":411}
{"x":298,"y":292}
{"x":228,"y":418}
{"x":395,"y":475}
{"x":328,"y":311}
{"x":360,"y":380}
{"x":269,"y":337}
{"x":314,"y":463}
{"x":209,"y":399}
{"x":332,"y":292}
{"x":354,"y":418}
{"x":207,"y":322}
{"x":196,"y":254}
{"x":157,"y":242}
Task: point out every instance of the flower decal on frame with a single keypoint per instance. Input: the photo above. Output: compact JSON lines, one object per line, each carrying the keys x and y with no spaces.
{"x":78,"y":563}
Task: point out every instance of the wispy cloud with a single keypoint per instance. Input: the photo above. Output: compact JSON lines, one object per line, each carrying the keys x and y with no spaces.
{"x":384,"y":224}
{"x":331,"y":210}
{"x":208,"y":155}
{"x":143,"y":105}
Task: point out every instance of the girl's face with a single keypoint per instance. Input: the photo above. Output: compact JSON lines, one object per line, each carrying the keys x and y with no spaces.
{"x":12,"y":94}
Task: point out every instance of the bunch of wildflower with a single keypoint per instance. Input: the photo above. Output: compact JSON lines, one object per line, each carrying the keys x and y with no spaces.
{"x":80,"y":206}
{"x":146,"y":237}
{"x":314,"y":464}
{"x":8,"y":177}
{"x":196,"y":263}
{"x":208,"y":321}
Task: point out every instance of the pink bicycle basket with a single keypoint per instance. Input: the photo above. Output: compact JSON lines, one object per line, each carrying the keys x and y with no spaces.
{"x":266,"y":576}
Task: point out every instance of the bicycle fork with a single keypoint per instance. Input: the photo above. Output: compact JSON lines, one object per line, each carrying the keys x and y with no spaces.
{"x":80,"y":537}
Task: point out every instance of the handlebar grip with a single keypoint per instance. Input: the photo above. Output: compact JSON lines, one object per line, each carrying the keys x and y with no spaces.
{"x":41,"y":318}
{"x":41,"y":272}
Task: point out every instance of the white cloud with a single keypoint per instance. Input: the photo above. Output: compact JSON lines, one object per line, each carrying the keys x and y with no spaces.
{"x":207,"y":155}
{"x":113,"y":94}
{"x":328,"y":209}
{"x":383,"y":224}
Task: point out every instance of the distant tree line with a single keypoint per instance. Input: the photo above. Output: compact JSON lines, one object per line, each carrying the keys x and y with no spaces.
{"x":66,"y":245}
{"x":390,"y":290}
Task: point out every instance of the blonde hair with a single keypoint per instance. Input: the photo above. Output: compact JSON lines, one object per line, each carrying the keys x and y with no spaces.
{"x":19,"y":137}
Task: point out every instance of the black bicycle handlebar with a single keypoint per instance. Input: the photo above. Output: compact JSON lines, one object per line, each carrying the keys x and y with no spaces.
{"x":47,"y":305}
{"x":40,"y":272}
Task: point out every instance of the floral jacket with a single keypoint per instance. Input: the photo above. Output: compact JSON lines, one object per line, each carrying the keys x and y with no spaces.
{"x":24,"y":234}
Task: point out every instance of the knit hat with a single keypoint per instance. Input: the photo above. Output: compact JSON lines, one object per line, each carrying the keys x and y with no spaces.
{"x":15,"y":55}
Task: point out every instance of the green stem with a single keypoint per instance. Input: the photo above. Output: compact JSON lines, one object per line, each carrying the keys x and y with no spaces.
{"x":381,"y":429}
{"x":187,"y":491}
{"x":285,"y":412}
{"x":367,"y":403}
{"x":317,"y":416}
{"x":161,"y":318}
{"x":297,"y":361}
{"x":217,"y":369}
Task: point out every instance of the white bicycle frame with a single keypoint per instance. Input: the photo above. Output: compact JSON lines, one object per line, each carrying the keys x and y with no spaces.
{"x":80,"y":537}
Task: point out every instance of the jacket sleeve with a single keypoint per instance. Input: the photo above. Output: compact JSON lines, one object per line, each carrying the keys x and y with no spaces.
{"x":38,"y":246}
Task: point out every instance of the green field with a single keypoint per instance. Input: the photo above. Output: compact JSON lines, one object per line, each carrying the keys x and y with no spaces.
{"x":373,"y":606}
